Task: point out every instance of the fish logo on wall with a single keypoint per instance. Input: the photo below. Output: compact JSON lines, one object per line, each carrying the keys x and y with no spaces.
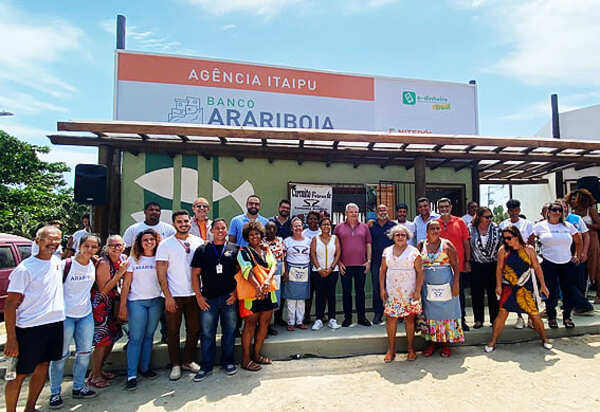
{"x":160,"y":182}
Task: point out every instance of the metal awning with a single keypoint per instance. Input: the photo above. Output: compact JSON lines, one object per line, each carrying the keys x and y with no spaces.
{"x":502,"y":160}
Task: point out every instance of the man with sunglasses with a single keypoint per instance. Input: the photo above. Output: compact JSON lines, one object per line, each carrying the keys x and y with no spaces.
{"x":525,"y":226}
{"x":173,"y":265}
{"x":201,"y":224}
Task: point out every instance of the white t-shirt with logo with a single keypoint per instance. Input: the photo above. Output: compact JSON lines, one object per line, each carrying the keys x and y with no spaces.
{"x":525,"y":227}
{"x":297,"y":251}
{"x":179,"y":272}
{"x":132,"y":231}
{"x":556,"y":240}
{"x":144,"y":280}
{"x":40,"y":283}
{"x":77,"y":287}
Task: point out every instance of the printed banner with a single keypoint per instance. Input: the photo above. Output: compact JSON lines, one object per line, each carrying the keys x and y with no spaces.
{"x":305,"y":197}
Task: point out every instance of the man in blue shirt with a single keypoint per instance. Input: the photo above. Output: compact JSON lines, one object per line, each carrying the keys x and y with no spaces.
{"x":380,"y":241}
{"x":238,"y":222}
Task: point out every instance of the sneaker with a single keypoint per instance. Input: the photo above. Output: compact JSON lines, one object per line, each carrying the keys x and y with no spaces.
{"x":231,"y":369}
{"x":333,"y":324}
{"x":365,"y":322}
{"x":56,"y":401}
{"x":520,"y":323}
{"x":131,"y":384}
{"x":175,"y":373}
{"x":191,"y":367}
{"x":201,"y":375}
{"x":150,"y":374}
{"x":317,"y":325}
{"x":84,"y":393}
{"x":347,"y":323}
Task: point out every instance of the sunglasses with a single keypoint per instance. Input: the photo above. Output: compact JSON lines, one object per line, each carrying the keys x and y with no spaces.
{"x":201,"y":207}
{"x":556,"y":209}
{"x":487,"y":217}
{"x":507,"y":237}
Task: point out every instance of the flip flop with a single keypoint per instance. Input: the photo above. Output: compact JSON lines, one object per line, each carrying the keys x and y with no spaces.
{"x":446,"y":352}
{"x":252,"y":367}
{"x":98,"y":383}
{"x":291,"y":328}
{"x":412,"y":356}
{"x":108,"y":375}
{"x":301,"y":326}
{"x":389,"y":360}
{"x":262,"y":360}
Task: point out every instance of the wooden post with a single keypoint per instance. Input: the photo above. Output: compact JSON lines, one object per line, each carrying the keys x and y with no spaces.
{"x":420,"y":179}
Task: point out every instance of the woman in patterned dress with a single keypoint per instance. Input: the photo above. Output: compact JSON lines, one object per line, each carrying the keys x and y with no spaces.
{"x":275,"y":243}
{"x":401,"y":275}
{"x":107,"y":330}
{"x":440,"y":292}
{"x":516,"y":285}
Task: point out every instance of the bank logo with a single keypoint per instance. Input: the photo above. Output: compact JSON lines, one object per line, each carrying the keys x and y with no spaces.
{"x":409,"y":97}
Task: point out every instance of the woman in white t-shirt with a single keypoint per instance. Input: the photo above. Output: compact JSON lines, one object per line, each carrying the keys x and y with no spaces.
{"x":141,"y":303}
{"x":556,"y":236}
{"x":79,"y":275}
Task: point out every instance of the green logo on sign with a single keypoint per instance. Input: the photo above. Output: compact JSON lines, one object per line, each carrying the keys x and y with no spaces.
{"x":409,"y":97}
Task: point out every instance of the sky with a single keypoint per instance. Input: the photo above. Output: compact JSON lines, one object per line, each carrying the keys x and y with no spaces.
{"x":58,"y":57}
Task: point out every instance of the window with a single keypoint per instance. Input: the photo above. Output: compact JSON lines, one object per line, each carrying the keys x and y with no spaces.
{"x":24,"y":251}
{"x":7,"y":260}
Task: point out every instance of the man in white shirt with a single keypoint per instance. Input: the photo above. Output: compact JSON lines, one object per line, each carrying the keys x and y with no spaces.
{"x":471,"y":212}
{"x":151,"y":221}
{"x":424,"y":216}
{"x":73,"y":243}
{"x":173,"y":265}
{"x":402,"y":219}
{"x":34,"y":313}
{"x":513,"y":207}
{"x":200,"y":222}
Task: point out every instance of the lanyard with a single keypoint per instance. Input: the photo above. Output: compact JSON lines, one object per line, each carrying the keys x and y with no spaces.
{"x":219,"y":256}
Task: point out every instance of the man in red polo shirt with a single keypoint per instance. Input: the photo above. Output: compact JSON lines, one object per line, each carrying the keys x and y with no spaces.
{"x":455,"y":230}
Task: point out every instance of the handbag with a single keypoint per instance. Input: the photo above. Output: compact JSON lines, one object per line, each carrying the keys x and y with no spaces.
{"x":244,"y":288}
{"x":439,"y":293}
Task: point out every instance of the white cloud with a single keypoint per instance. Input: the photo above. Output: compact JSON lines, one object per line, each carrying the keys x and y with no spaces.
{"x":27,"y":104}
{"x":30,"y":44}
{"x":266,"y":8}
{"x":547,"y":41}
{"x":33,"y":135}
{"x":543,"y":111}
{"x":228,"y":27}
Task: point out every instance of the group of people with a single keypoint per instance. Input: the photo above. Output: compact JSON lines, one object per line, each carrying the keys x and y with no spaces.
{"x":210,"y":273}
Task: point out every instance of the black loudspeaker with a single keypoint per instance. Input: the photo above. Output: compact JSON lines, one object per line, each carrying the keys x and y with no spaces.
{"x":590,"y":183}
{"x":91,"y":184}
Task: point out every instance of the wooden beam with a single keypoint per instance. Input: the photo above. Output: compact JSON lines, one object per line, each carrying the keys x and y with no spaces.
{"x":301,"y":144}
{"x":144,"y":136}
{"x":437,"y":147}
{"x":184,"y":138}
{"x":264,"y":142}
{"x":586,"y":166}
{"x":469,"y":148}
{"x":514,"y":182}
{"x":335,"y":144}
{"x":99,"y":134}
{"x":440,"y":164}
{"x":319,"y":135}
{"x":465,"y":165}
{"x":370,"y":146}
{"x":504,"y":169}
{"x":489,"y":166}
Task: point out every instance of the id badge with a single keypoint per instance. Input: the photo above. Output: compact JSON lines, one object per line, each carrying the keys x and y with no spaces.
{"x":219,"y":269}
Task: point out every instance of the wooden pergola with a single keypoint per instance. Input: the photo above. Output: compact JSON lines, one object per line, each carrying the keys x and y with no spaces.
{"x":492,"y":160}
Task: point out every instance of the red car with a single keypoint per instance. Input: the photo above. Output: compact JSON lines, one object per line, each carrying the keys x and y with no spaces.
{"x":13,"y":250}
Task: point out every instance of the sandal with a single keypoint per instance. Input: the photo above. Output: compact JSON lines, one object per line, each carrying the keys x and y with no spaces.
{"x":262,"y":360}
{"x":301,"y":326}
{"x":411,"y":355}
{"x":252,"y":367}
{"x":389,"y":359}
{"x":98,"y":382}
{"x":108,"y":375}
{"x":552,"y":323}
{"x":291,"y":328}
{"x":429,"y":350}
{"x":446,"y":351}
{"x":568,"y":324}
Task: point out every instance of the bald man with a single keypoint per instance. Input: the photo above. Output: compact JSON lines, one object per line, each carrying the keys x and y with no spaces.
{"x":201,"y":223}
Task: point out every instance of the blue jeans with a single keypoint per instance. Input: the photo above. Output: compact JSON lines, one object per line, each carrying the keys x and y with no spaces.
{"x":209,"y":320}
{"x":82,"y":330}
{"x":358,"y":274}
{"x":377,"y":302}
{"x":143,"y":319}
{"x":563,"y":277}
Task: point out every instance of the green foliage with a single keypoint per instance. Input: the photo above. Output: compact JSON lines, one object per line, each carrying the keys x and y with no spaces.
{"x":32,"y":191}
{"x":499,"y":214}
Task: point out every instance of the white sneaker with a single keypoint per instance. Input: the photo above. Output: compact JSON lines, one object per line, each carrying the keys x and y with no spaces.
{"x":520,"y":323}
{"x":317,"y":325}
{"x":192,"y":367}
{"x":175,"y":373}
{"x":333,"y":324}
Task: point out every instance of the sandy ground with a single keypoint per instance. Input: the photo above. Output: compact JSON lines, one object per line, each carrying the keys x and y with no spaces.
{"x":520,"y":377}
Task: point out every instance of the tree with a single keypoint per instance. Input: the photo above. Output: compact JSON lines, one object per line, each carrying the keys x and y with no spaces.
{"x":499,"y":214}
{"x":32,"y":191}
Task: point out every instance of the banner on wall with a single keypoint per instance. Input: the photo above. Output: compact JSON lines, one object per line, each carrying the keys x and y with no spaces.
{"x":161,"y":88}
{"x":307,"y":197}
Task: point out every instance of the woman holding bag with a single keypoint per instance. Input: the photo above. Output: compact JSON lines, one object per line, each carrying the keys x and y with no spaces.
{"x":257,"y":268}
{"x":516,"y":284}
{"x":440,"y":291}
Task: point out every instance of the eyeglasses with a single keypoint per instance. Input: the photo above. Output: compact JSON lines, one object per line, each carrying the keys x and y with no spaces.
{"x":487,"y":217}
{"x":116,"y":246}
{"x":556,"y":209}
{"x":202,"y":207}
{"x":507,"y":237}
{"x":400,"y":234}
